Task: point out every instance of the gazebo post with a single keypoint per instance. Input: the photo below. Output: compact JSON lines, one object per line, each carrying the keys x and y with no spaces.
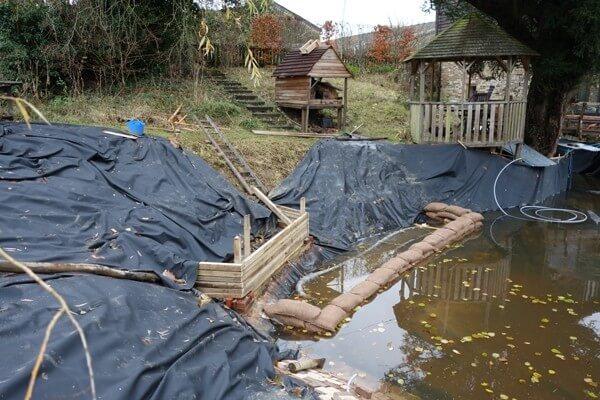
{"x":345,"y":103}
{"x":421,"y":81}
{"x":526,"y":77}
{"x":509,"y":69}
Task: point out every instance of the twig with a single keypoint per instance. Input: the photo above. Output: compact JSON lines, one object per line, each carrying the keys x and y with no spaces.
{"x":40,"y":356}
{"x":65,"y":308}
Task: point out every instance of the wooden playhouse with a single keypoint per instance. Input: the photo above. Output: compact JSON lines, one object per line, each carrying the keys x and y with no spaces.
{"x":299,"y":82}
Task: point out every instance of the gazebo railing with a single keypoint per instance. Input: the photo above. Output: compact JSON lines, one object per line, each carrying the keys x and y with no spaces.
{"x":475,"y":124}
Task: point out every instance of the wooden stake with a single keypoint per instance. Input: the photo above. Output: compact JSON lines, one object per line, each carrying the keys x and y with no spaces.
{"x":247,"y":248}
{"x":303,"y":204}
{"x":237,"y":249}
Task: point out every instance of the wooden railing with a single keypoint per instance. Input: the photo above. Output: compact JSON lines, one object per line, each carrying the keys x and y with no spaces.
{"x":476,"y":124}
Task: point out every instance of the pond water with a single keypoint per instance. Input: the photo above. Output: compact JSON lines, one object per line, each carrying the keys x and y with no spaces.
{"x":512,"y":312}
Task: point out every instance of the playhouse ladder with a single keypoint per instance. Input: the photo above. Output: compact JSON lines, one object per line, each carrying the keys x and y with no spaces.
{"x":232,"y":157}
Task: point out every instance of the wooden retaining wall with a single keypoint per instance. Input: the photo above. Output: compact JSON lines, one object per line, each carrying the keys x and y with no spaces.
{"x":249,"y":270}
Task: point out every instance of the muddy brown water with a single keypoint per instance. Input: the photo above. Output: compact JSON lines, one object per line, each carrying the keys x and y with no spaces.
{"x":512,"y":312}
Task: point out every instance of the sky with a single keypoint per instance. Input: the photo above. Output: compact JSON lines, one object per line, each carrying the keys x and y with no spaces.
{"x":360,"y":14}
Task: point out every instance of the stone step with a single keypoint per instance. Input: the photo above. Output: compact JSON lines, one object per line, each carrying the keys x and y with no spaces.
{"x":267,"y":115}
{"x":259,"y":108}
{"x":245,"y":97}
{"x":252,"y":102}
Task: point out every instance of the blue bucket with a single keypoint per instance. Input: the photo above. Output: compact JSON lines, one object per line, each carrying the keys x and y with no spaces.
{"x":136,"y":127}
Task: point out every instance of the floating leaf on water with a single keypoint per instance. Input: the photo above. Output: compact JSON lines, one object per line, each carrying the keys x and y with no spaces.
{"x":503,"y":396}
{"x":575,"y":358}
{"x":474,"y":365}
{"x":522,"y":380}
{"x":484,"y":384}
{"x":573,"y":338}
{"x":419,"y":349}
{"x":555,"y":351}
{"x":444,"y":341}
{"x":456,"y":351}
{"x":466,"y":339}
{"x":545,"y":320}
{"x":445,"y":260}
{"x":591,"y":394}
{"x":535,"y":377}
{"x":590,"y":382}
{"x":500,"y":306}
{"x":512,"y":346}
{"x":489,"y":390}
{"x":400,"y":381}
{"x":421,"y":304}
{"x":491,"y":334}
{"x":495,"y":355}
{"x":551,"y":372}
{"x":562,"y":357}
{"x":433,"y":315}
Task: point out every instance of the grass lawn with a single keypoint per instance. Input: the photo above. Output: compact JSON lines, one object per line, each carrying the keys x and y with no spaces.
{"x":374,"y":101}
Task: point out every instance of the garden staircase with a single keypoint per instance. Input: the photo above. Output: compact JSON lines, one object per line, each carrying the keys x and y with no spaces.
{"x":267,"y":114}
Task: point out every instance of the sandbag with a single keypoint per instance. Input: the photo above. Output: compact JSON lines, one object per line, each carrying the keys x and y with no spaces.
{"x":382,"y":276}
{"x":396,"y":264}
{"x":435,"y":207}
{"x":456,"y":210}
{"x":292,"y":308}
{"x":289,"y":321}
{"x":347,"y":301}
{"x":475,"y":217}
{"x":447,"y":215}
{"x":426,"y":248}
{"x":329,"y":318}
{"x":365,"y":289}
{"x":411,"y":256}
{"x":434,"y":216}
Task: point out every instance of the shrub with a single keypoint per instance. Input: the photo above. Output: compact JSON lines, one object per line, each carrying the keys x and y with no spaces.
{"x":218,"y":110}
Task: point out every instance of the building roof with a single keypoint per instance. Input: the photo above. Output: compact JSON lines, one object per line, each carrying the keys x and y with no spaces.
{"x":472,"y":37}
{"x":278,"y":7}
{"x":295,"y":63}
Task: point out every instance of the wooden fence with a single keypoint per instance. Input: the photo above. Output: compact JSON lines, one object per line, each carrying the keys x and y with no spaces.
{"x":249,"y":271}
{"x":476,"y":124}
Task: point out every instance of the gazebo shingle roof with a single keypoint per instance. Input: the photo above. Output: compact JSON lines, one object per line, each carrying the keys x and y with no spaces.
{"x":472,"y":37}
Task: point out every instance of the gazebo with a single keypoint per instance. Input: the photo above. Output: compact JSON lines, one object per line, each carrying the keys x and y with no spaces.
{"x":474,"y":121}
{"x":299,"y":81}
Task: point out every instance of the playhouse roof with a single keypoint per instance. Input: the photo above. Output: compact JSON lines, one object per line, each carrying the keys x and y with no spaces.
{"x":322,"y":62}
{"x":472,"y":37}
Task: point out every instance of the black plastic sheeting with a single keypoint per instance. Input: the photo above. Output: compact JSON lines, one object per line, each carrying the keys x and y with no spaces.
{"x":146,"y":342}
{"x":585,"y":162}
{"x":74,"y":194}
{"x":356,"y":190}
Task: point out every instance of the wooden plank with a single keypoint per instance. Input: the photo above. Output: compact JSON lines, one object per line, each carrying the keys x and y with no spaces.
{"x":220,"y":285}
{"x":271,"y":267}
{"x":210,"y":266}
{"x":247,"y":244}
{"x":484,"y":123}
{"x":469,"y":133}
{"x":296,"y":232}
{"x":222,"y":293}
{"x":427,"y":123}
{"x":262,"y":197}
{"x":294,"y":134}
{"x":501,"y":118}
{"x":493,"y":110}
{"x":292,"y":213}
{"x":447,"y":131}
{"x":237,"y":249}
{"x":476,"y":124}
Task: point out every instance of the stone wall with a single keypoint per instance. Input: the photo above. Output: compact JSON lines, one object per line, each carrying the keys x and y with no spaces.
{"x":451,"y":82}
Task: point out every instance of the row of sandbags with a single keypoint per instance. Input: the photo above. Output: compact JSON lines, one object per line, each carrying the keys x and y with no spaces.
{"x":307,"y":316}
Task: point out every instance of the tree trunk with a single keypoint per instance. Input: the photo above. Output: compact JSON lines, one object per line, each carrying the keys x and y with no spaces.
{"x":545,"y":107}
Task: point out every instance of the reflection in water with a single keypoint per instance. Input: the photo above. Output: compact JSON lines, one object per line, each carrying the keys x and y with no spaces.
{"x":514,"y":311}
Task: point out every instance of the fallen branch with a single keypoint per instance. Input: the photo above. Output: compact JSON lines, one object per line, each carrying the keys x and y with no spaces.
{"x":65,"y":308}
{"x":52,"y":268}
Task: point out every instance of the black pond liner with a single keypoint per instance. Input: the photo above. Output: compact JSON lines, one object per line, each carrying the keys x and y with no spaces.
{"x":359,"y":191}
{"x":146,"y":341}
{"x":77,"y":195}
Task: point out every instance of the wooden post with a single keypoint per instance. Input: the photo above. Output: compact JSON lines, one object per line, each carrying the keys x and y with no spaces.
{"x":302,"y":204}
{"x":431,"y":89}
{"x":509,"y":69}
{"x":421,"y":81}
{"x":237,"y":250}
{"x":247,"y":248}
{"x":526,"y":77}
{"x":507,"y":111}
{"x":305,"y":119}
{"x":345,"y":111}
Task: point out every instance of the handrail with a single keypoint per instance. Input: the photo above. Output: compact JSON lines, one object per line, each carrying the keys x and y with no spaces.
{"x":452,"y":103}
